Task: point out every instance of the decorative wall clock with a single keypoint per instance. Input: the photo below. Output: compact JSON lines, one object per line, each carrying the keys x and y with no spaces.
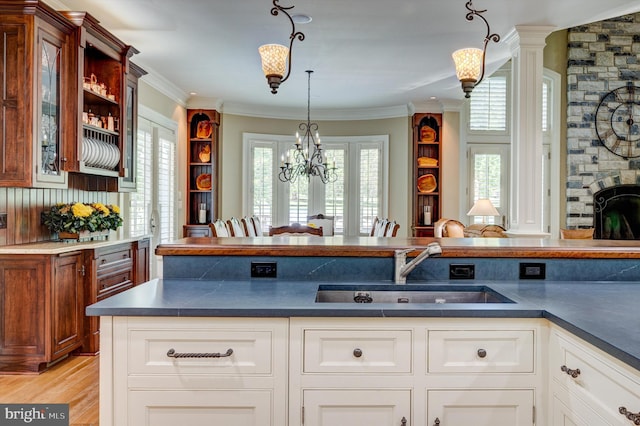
{"x":618,"y":121}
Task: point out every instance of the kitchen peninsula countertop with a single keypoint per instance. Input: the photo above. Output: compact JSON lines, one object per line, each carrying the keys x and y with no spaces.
{"x":602,"y":313}
{"x":384,"y":247}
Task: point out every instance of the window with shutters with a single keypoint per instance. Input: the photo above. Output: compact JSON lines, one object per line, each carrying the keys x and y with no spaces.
{"x":354,"y":199}
{"x":489,"y":106}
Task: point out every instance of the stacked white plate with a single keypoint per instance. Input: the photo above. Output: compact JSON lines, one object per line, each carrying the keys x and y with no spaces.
{"x":99,"y":154}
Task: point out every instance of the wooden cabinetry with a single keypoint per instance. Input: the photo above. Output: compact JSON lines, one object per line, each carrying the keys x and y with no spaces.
{"x":202,"y":171}
{"x":142,"y":252}
{"x":65,"y":89}
{"x":112,"y":270}
{"x":127,"y":182}
{"x":42,"y":309}
{"x":37,"y":87}
{"x":43,"y":298}
{"x":101,"y":69}
{"x":196,"y":371}
{"x":427,"y":173}
{"x":589,"y":387}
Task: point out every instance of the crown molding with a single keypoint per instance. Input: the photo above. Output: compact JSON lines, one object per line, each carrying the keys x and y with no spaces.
{"x":164,"y":86}
{"x":338,"y":114}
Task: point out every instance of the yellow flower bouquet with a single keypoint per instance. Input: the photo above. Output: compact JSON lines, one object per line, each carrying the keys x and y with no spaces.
{"x":77,"y":217}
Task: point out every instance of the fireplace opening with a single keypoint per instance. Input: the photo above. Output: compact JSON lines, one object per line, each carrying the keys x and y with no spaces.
{"x":617,"y":213}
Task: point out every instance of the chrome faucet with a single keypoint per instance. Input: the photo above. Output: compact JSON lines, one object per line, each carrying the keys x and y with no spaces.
{"x":402,"y":268}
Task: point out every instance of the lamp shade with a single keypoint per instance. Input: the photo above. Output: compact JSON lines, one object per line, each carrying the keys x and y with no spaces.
{"x":483,"y":207}
{"x":468,"y":64}
{"x":274,"y":59}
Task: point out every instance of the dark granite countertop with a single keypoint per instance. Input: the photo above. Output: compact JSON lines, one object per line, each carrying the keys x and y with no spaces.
{"x":603,"y":313}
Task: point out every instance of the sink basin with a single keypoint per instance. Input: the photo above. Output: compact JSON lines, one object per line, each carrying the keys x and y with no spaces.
{"x":408,"y":294}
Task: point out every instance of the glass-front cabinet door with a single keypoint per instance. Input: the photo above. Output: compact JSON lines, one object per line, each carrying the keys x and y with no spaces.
{"x":127,"y":182}
{"x":48,"y":125}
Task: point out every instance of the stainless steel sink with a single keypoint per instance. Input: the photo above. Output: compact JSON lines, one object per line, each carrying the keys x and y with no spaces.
{"x":408,"y":294}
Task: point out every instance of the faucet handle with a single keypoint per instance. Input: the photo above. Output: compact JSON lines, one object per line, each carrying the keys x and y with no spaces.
{"x":403,"y":252}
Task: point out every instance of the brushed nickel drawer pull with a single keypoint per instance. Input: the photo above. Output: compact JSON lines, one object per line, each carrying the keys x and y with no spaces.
{"x":482,"y":353}
{"x":172,"y":354}
{"x":634,"y":417}
{"x":357,"y":352}
{"x":573,"y":373}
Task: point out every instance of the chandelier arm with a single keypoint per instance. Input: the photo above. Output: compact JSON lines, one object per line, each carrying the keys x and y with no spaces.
{"x":487,"y":38}
{"x":275,"y":10}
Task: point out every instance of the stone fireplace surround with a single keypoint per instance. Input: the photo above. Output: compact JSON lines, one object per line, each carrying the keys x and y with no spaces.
{"x":603,"y":55}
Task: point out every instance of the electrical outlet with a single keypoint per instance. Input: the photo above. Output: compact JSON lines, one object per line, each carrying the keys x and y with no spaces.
{"x":462,"y":271}
{"x":532,"y":271}
{"x":264,"y":269}
{"x":3,"y":221}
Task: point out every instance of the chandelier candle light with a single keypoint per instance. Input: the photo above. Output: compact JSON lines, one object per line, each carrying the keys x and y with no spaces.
{"x":304,"y":162}
{"x":274,"y":56}
{"x":470,"y":61}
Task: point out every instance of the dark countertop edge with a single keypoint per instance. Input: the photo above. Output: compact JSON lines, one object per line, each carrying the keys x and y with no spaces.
{"x":385,"y":247}
{"x":375,"y":313}
{"x":595,"y":341}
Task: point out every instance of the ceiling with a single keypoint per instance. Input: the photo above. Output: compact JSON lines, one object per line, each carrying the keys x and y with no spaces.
{"x":366,"y":54}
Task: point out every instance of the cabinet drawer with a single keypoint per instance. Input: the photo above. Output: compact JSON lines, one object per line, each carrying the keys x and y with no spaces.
{"x":602,"y":382}
{"x":121,"y":258}
{"x":480,"y":351}
{"x":114,"y":283}
{"x":211,"y":407}
{"x":357,"y":351}
{"x":251,"y":351}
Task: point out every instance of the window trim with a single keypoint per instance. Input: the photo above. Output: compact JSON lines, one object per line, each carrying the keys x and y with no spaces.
{"x":492,"y":136}
{"x":283,"y":142}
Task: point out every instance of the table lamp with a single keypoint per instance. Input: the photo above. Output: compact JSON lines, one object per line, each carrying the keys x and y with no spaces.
{"x":483,"y":207}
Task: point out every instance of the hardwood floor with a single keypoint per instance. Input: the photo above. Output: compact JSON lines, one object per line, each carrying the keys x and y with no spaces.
{"x":73,"y":381}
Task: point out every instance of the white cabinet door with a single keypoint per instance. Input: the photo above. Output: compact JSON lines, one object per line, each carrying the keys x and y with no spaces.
{"x":480,"y":407}
{"x":357,"y":407}
{"x":567,"y":411}
{"x":199,"y":408}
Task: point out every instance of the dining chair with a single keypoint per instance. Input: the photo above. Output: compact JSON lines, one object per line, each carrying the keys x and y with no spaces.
{"x":237,"y":230}
{"x":380,"y":227}
{"x":219,"y":228}
{"x":257,"y":224}
{"x":295,"y":229}
{"x":392,"y":229}
{"x":249,"y":228}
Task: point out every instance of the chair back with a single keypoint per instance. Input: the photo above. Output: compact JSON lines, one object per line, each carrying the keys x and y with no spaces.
{"x":322,"y":221}
{"x":257,"y":224}
{"x":576,"y":234}
{"x":237,"y":230}
{"x":249,"y":228}
{"x":295,"y":230}
{"x":392,"y":229}
{"x":380,"y":228}
{"x":219,"y":228}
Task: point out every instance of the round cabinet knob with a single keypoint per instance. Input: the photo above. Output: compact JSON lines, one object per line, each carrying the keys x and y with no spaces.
{"x":357,"y":352}
{"x":482,"y":353}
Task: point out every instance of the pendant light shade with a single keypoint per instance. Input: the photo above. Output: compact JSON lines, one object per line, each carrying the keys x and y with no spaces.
{"x":470,"y":62}
{"x":276,"y":58}
{"x":274,"y":63}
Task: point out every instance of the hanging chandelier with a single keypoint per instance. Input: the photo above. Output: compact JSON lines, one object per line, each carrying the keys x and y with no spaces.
{"x":470,"y":61}
{"x":307,"y":158}
{"x":276,"y":58}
